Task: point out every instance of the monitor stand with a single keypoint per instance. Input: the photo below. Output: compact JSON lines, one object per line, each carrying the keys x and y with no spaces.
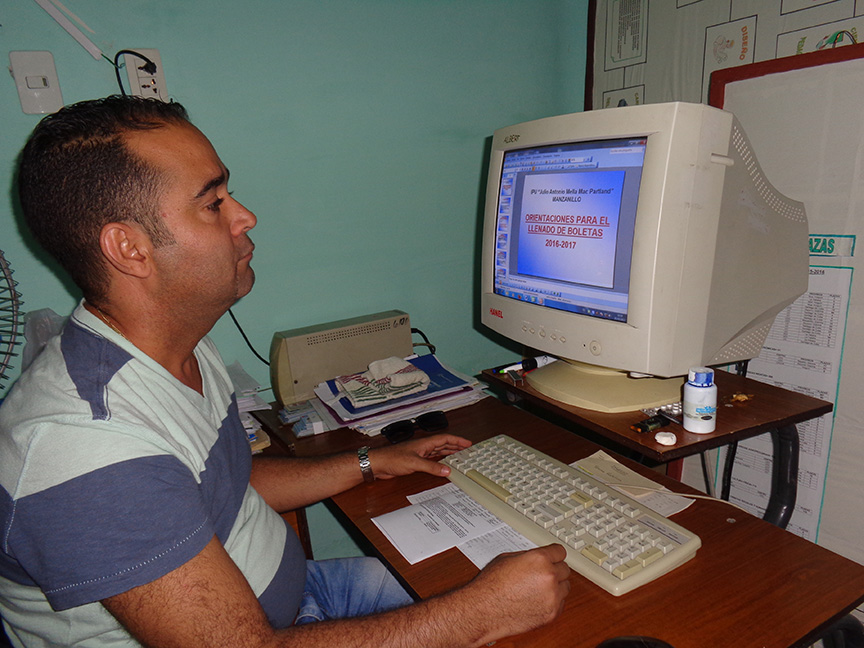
{"x":602,"y":390}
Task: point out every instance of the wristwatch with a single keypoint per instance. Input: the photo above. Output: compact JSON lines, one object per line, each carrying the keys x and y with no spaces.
{"x":365,"y":464}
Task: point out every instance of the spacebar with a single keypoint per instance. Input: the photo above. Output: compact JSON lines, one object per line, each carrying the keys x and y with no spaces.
{"x":487,"y":484}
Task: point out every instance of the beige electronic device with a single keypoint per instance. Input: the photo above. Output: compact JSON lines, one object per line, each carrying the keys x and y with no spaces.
{"x":302,"y":358}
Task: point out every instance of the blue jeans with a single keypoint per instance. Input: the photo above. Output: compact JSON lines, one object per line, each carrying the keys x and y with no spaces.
{"x":348,"y":587}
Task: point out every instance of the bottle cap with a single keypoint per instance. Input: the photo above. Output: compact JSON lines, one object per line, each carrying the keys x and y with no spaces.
{"x":701,"y":376}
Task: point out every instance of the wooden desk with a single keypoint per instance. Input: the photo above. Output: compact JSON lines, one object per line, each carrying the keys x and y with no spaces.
{"x":766,"y":409}
{"x":751,"y":584}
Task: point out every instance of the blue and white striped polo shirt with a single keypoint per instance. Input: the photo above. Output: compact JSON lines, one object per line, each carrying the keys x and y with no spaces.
{"x":112,"y":474}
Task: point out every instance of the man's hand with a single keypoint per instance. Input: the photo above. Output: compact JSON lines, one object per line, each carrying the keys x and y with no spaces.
{"x":207,"y":602}
{"x":517,"y":592}
{"x":416,"y":456}
{"x":287,"y":483}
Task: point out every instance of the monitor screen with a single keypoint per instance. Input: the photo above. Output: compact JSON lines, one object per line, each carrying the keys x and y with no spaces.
{"x":566,"y":217}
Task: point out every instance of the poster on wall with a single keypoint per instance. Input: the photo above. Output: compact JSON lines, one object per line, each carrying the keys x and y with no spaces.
{"x":652,"y":51}
{"x":803,"y":353}
{"x":626,"y":31}
{"x":727,"y":45}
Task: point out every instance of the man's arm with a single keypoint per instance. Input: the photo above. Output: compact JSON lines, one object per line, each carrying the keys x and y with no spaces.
{"x":287,"y":483}
{"x":208,"y":603}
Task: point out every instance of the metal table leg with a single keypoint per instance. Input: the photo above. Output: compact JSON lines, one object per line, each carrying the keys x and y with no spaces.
{"x":784,"y":476}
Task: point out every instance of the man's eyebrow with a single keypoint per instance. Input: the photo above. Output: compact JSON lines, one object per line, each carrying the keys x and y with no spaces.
{"x":221,"y":179}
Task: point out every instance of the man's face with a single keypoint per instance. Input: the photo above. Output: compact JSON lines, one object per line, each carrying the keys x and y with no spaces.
{"x":207,"y":265}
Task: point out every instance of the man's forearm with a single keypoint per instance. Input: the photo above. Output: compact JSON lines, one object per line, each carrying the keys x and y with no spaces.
{"x":287,"y":483}
{"x":442,"y":622}
{"x":208,"y":602}
{"x":512,"y":595}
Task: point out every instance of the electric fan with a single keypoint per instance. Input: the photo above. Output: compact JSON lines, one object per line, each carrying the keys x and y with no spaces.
{"x":10,"y":319}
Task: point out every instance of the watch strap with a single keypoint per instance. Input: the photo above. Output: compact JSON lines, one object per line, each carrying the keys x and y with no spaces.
{"x":365,"y":464}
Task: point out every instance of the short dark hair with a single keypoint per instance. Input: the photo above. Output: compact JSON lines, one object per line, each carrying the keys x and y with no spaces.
{"x":76,"y":174}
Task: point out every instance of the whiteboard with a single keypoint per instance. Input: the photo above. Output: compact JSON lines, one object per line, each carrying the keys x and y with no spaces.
{"x":805,"y":120}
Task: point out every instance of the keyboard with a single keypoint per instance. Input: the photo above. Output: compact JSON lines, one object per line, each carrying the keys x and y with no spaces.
{"x":611,"y":539}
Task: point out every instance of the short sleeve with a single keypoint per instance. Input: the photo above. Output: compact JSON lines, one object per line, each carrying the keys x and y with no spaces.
{"x":109,"y":530}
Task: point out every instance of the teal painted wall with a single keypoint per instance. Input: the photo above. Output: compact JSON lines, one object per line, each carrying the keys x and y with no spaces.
{"x":354,"y":129}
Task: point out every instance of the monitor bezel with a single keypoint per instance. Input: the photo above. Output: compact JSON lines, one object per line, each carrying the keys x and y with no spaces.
{"x":678,"y":148}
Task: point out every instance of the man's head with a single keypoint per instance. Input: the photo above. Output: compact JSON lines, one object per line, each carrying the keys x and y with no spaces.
{"x":77,"y":174}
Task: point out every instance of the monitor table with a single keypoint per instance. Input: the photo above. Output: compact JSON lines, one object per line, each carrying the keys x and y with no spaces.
{"x":745,"y":408}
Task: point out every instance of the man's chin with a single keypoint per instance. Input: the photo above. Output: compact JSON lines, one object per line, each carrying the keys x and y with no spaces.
{"x":246,"y":283}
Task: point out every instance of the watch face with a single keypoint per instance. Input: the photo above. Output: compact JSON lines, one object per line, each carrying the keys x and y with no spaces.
{"x":365,"y":464}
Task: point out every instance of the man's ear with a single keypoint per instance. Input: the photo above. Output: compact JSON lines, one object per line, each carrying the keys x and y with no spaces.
{"x":127,"y":248}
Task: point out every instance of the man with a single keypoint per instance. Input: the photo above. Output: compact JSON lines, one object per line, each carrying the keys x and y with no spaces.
{"x":132,"y":512}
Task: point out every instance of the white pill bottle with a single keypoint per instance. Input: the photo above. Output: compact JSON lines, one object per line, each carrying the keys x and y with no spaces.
{"x":700,"y":401}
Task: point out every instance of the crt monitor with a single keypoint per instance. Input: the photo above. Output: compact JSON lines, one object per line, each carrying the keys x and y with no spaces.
{"x":634,"y":243}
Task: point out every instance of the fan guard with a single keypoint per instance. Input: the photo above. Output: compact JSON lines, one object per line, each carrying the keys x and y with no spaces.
{"x":10,"y":319}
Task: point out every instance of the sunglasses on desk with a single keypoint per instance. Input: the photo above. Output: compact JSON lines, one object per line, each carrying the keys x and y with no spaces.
{"x":404,"y":430}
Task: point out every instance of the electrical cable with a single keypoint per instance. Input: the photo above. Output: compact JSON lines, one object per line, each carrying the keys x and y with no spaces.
{"x":732,"y":448}
{"x":262,"y":359}
{"x":246,"y":339}
{"x":149,"y":66}
{"x":666,"y":491}
{"x":425,"y":342}
{"x":706,"y":474}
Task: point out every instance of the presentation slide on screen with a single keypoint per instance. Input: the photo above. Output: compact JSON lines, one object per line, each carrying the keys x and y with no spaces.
{"x":569,"y":226}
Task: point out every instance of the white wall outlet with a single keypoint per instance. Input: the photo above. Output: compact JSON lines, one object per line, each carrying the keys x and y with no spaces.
{"x":143,"y":83}
{"x":36,"y":79}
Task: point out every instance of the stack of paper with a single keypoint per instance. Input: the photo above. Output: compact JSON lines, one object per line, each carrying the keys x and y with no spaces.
{"x":308,"y":417}
{"x":447,"y":390}
{"x":249,"y":400}
{"x":446,"y":517}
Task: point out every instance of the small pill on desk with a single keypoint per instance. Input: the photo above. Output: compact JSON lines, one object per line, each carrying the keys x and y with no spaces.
{"x":666,"y":438}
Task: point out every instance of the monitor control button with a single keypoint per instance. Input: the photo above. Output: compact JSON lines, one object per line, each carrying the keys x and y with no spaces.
{"x":595,"y":348}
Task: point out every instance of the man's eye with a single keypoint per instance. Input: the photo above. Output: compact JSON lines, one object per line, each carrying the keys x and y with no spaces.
{"x":216,"y":204}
